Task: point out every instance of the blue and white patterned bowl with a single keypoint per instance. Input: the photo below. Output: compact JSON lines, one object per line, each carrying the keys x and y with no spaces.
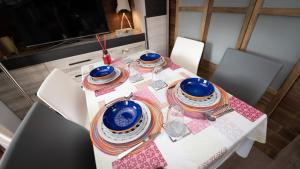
{"x":150,"y":58}
{"x":102,"y":72}
{"x":122,"y":115}
{"x":196,"y":88}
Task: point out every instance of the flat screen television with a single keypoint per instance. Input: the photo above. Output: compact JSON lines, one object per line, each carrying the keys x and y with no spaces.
{"x":36,"y":22}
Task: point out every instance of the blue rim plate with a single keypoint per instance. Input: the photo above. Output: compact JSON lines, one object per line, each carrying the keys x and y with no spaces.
{"x":197,"y":87}
{"x":102,"y":71}
{"x":122,"y":115}
{"x":150,"y":56}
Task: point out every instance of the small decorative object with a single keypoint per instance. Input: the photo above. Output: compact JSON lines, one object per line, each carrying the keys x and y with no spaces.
{"x":106,"y":56}
{"x":123,"y":7}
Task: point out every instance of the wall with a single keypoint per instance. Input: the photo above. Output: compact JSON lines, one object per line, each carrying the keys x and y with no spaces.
{"x":276,"y":37}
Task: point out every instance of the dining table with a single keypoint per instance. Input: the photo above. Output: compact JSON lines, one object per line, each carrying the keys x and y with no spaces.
{"x":209,"y":143}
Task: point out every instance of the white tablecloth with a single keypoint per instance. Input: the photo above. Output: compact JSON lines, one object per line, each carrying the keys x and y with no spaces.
{"x":232,"y":131}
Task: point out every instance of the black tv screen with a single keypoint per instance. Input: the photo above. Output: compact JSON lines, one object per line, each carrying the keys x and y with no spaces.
{"x":33,"y":22}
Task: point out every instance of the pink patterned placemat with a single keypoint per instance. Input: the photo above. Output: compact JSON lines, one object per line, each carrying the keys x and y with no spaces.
{"x":117,"y":62}
{"x":213,"y":159}
{"x":146,"y":93}
{"x":102,"y":92}
{"x":197,"y":125}
{"x":172,"y":65}
{"x":244,"y":109}
{"x":149,"y":158}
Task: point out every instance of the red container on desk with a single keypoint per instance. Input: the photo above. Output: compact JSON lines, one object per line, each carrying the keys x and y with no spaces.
{"x":106,"y":57}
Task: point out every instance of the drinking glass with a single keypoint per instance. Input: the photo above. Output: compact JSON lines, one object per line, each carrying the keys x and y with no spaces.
{"x":174,"y":125}
{"x":134,"y":75}
{"x":157,"y":82}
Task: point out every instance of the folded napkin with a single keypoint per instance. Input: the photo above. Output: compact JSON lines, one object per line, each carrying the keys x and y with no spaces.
{"x":244,"y":109}
{"x":148,"y":158}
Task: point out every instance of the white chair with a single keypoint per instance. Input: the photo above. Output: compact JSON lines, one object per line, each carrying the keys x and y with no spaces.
{"x":65,"y":96}
{"x":187,"y":53}
{"x":9,"y":123}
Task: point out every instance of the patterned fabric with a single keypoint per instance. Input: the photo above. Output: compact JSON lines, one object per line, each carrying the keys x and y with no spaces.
{"x":102,"y":92}
{"x":228,"y":128}
{"x":244,"y":109}
{"x":117,"y":62}
{"x":197,"y":125}
{"x":173,"y":66}
{"x":148,"y":158}
{"x":214,"y":158}
{"x":146,"y":93}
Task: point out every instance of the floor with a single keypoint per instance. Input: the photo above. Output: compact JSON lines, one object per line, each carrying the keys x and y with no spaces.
{"x":1,"y":152}
{"x":255,"y":160}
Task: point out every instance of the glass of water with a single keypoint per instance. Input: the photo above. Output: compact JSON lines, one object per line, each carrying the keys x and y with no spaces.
{"x":174,"y":125}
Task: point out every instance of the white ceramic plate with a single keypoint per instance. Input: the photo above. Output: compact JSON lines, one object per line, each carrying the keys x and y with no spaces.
{"x":216,"y":96}
{"x":104,"y":81}
{"x":160,"y":62}
{"x":115,"y":138}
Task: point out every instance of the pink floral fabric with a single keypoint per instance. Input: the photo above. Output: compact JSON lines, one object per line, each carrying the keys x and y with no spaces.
{"x":197,"y":125}
{"x":174,"y":66}
{"x":148,"y":158}
{"x":244,"y":109}
{"x":102,"y":92}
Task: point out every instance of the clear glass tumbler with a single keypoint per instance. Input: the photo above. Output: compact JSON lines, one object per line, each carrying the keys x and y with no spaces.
{"x":174,"y":125}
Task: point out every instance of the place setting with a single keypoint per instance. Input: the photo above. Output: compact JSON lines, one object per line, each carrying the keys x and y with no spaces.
{"x":105,"y":79}
{"x":126,"y":127}
{"x":199,"y":98}
{"x":148,"y":61}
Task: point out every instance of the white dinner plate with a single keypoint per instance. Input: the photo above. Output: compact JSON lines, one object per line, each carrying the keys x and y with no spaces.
{"x":215,"y":98}
{"x":160,"y":62}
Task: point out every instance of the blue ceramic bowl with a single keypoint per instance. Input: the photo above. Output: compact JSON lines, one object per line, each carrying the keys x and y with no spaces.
{"x":150,"y":57}
{"x":122,"y":115}
{"x":102,"y":71}
{"x":197,"y":87}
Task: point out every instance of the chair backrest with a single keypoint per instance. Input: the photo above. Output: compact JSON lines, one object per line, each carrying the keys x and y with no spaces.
{"x":245,"y":75}
{"x":9,"y":123}
{"x":187,"y":53}
{"x":65,"y":96}
{"x":47,"y":140}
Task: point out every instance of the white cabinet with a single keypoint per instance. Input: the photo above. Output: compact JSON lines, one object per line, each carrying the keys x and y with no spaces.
{"x":30,"y":78}
{"x":157,"y":34}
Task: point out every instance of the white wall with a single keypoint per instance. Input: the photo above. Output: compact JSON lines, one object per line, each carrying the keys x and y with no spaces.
{"x":277,"y":37}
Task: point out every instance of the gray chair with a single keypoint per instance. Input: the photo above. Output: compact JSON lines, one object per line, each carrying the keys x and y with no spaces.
{"x":46,"y":140}
{"x":245,"y":75}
